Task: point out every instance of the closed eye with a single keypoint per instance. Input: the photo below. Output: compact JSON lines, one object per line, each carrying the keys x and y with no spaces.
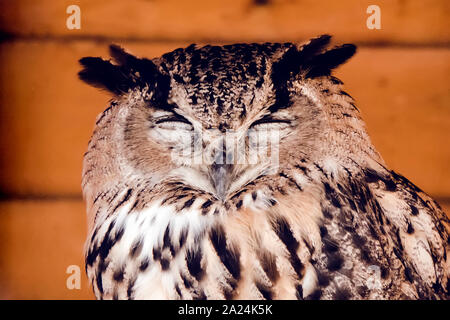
{"x":172,"y":118}
{"x":270,"y":120}
{"x":173,"y":121}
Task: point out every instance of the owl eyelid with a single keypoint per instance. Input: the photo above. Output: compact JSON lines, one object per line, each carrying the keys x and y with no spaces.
{"x":270,"y":120}
{"x":173,"y":118}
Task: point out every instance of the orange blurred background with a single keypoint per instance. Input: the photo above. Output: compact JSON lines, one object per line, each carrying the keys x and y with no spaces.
{"x":399,"y":77}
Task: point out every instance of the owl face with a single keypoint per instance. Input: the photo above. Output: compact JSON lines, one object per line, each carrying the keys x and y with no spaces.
{"x":217,"y":117}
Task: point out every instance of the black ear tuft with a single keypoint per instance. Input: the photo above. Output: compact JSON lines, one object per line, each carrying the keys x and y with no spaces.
{"x":311,"y":59}
{"x":313,"y":47}
{"x":294,"y":59}
{"x":126,"y":73}
{"x":128,"y":61}
{"x":322,"y":64}
{"x":148,"y":73}
{"x":104,"y":75}
{"x":292,"y":62}
{"x":120,"y":56}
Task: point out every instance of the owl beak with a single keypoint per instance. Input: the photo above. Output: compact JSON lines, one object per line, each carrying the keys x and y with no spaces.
{"x":220,"y":176}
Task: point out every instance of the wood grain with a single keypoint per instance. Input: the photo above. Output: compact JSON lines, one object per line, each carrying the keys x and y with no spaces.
{"x":402,"y":22}
{"x":38,"y":241}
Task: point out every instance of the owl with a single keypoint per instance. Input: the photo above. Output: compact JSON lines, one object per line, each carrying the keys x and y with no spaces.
{"x":245,"y":171}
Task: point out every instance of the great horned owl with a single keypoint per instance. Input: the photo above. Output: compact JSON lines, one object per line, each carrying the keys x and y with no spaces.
{"x":324,"y":219}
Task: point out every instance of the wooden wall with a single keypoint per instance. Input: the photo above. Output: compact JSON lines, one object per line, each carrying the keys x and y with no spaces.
{"x":400,"y":78}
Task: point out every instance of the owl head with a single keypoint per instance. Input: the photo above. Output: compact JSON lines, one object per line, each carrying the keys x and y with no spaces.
{"x":216,"y":118}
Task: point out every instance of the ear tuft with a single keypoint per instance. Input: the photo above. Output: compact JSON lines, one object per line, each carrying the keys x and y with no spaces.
{"x":323,"y":64}
{"x":294,"y":59}
{"x":126,"y":73}
{"x":104,"y":75}
{"x":313,"y":47}
{"x":121,"y":57}
{"x":148,"y":72}
{"x":311,"y":59}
